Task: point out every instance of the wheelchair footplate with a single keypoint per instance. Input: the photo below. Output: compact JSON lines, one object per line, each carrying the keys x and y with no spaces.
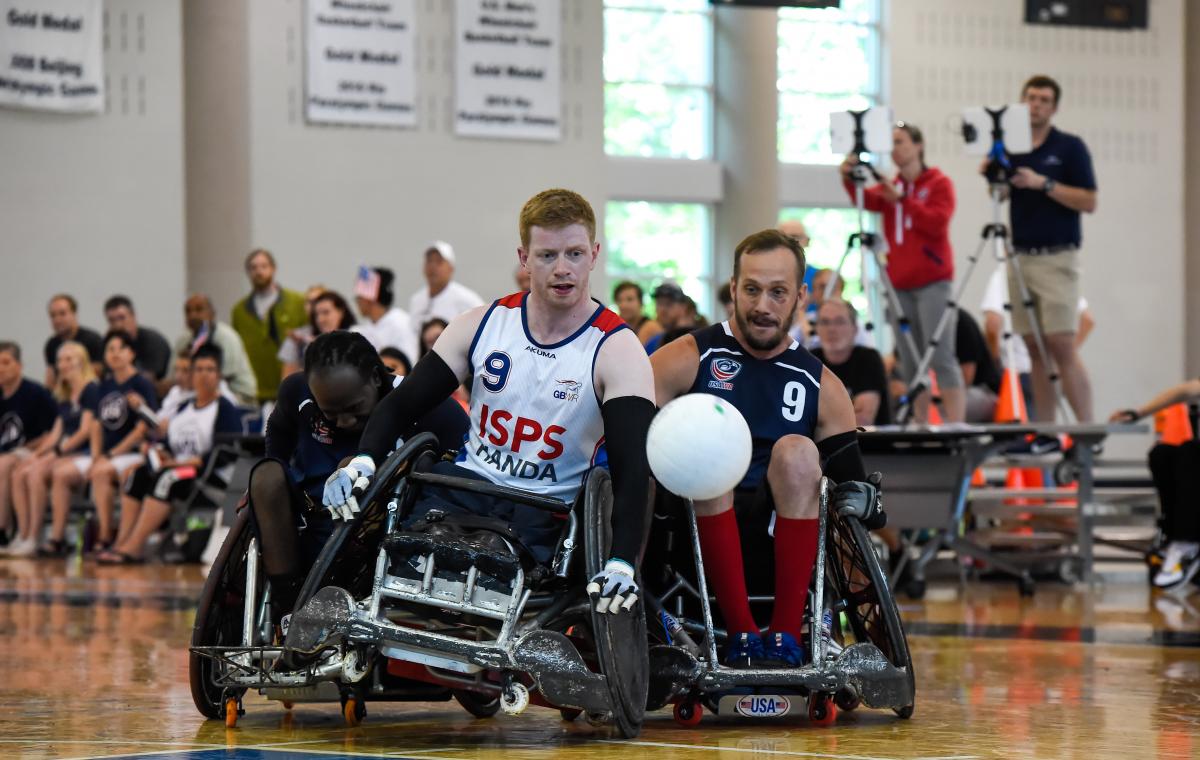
{"x":463,"y":579}
{"x":313,"y":650}
{"x":860,"y":671}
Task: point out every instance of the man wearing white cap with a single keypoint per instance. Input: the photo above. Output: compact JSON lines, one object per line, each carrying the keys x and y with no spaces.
{"x":442,"y":297}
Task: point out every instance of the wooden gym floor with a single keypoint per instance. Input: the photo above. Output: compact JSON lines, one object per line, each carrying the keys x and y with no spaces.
{"x":93,"y":664}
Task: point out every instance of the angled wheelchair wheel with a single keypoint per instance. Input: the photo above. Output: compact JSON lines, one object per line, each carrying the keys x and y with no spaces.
{"x":341,"y":561}
{"x":861,"y":589}
{"x":621,"y":647}
{"x":219,"y":617}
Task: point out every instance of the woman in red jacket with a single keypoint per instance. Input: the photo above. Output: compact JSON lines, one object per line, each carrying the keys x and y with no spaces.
{"x":916,"y":207}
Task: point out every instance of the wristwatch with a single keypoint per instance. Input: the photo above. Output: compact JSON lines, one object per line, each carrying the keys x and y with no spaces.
{"x":1050,"y":185}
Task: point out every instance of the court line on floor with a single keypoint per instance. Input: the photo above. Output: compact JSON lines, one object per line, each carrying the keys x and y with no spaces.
{"x":124,"y":742}
{"x":405,"y":752}
{"x":783,"y":752}
{"x":425,"y":754}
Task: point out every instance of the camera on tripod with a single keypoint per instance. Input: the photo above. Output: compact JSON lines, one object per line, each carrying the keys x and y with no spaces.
{"x":997,"y":133}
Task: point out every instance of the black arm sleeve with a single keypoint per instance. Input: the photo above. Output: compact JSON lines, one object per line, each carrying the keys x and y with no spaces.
{"x":430,"y":382}
{"x":447,"y":421}
{"x":842,"y":458}
{"x":626,"y":422}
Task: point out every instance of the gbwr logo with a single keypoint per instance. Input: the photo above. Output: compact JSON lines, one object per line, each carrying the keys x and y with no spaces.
{"x":567,"y":390}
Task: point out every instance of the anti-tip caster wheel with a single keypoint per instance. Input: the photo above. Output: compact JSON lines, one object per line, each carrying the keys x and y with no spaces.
{"x":1066,"y":472}
{"x":846,"y":700}
{"x":514,"y":699}
{"x":354,"y":710}
{"x":821,"y":710}
{"x":233,"y":710}
{"x":1069,"y":570}
{"x":288,"y":704}
{"x":688,"y":714}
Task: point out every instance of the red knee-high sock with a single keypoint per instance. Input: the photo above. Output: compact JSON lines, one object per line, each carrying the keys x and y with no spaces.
{"x":795,"y":554}
{"x":722,"y":548}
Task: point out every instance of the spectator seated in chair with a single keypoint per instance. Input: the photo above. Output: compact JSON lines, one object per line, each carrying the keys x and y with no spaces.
{"x":1175,"y":470}
{"x":859,"y":368}
{"x":65,"y":446}
{"x":173,"y":472}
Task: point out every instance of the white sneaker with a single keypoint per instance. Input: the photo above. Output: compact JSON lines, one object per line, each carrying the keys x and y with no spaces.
{"x":24,"y":548}
{"x":1177,"y":561}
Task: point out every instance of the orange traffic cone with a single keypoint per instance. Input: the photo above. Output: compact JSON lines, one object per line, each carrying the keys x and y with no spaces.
{"x":1033,"y":479}
{"x":977,"y":478}
{"x":1010,"y":406}
{"x":1015,"y":480}
{"x":1173,"y":426}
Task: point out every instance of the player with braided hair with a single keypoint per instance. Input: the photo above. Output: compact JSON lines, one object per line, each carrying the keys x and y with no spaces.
{"x":316,"y":425}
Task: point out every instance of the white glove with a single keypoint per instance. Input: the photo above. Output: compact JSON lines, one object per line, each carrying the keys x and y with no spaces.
{"x":340,"y":487}
{"x":614,"y":588}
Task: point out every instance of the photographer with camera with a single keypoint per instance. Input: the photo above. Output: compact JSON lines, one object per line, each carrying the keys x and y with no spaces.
{"x":1051,"y":186}
{"x":916,"y":207}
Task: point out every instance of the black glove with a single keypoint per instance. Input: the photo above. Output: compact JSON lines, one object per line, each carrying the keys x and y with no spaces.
{"x":864,"y":500}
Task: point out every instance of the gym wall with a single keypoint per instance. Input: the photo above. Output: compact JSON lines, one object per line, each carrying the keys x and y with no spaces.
{"x":328,"y":198}
{"x":93,"y":204}
{"x":1123,"y":92}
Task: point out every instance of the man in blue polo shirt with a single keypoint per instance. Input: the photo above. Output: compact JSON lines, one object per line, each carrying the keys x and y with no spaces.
{"x":1052,"y":185}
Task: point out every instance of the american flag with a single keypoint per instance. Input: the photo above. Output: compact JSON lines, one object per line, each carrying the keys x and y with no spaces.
{"x":366,"y":285}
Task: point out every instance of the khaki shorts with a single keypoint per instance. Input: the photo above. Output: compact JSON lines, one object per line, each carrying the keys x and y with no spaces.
{"x":1053,"y":282}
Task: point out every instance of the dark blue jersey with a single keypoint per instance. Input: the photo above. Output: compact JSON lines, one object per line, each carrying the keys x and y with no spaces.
{"x":314,"y":447}
{"x":777,"y":396}
{"x":1037,"y":219}
{"x":25,"y":415}
{"x":107,"y":400}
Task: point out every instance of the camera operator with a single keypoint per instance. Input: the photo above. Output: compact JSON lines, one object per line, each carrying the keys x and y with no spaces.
{"x":1051,"y":186}
{"x":916,"y":208}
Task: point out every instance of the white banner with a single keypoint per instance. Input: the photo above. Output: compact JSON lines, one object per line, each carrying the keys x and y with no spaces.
{"x":508,"y":69}
{"x":52,"y":54}
{"x":360,"y":62}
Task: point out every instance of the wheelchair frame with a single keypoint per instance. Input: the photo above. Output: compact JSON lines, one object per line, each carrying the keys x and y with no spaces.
{"x":690,"y":675}
{"x":343,"y":640}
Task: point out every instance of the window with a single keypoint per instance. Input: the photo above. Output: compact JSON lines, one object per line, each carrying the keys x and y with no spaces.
{"x":651,"y":242}
{"x":829,"y":60}
{"x":828,"y":230}
{"x":658,"y":78}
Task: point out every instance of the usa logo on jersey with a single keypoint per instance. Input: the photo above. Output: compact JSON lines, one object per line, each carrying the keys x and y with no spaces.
{"x":723,"y":370}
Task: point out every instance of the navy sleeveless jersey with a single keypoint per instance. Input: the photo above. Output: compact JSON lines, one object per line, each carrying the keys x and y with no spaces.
{"x":777,"y":396}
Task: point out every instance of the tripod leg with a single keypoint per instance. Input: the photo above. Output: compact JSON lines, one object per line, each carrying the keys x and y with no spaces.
{"x":1039,"y":338}
{"x":837,"y":273}
{"x":918,"y":383}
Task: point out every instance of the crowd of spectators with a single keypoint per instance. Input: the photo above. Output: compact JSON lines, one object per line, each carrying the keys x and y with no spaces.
{"x":132,"y":417}
{"x":128,"y":418}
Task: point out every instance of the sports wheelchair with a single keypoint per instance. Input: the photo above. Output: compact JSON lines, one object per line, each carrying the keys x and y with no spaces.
{"x":463,"y":613}
{"x":858,"y":656}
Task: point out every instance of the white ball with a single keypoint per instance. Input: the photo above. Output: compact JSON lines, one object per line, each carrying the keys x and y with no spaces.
{"x":699,"y":446}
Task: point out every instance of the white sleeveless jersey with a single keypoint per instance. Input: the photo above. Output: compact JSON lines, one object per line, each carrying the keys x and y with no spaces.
{"x":535,"y":413}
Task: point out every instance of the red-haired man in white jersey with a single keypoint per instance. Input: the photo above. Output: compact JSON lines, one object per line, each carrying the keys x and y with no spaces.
{"x":558,"y":384}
